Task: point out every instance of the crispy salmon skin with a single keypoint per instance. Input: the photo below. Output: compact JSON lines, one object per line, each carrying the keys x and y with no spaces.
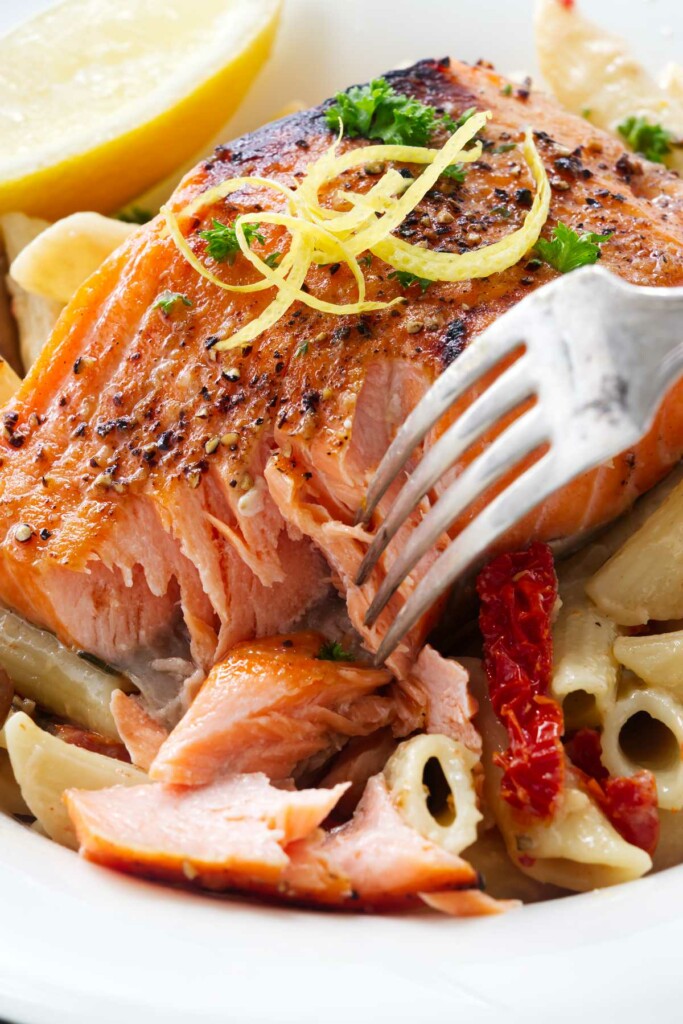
{"x":181,"y":500}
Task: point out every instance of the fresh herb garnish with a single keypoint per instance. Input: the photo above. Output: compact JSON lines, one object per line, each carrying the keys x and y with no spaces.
{"x":366,"y":260}
{"x":505,"y":147}
{"x":507,"y":89}
{"x":302,"y":349}
{"x":502,"y":211}
{"x":650,"y":140}
{"x":222,"y":241}
{"x":167,"y":300}
{"x":405,"y":279}
{"x":569,"y":250}
{"x":456,"y":172}
{"x":272,"y":260}
{"x":586,"y":112}
{"x":453,"y":125}
{"x":332,"y":651}
{"x":377,"y":111}
{"x":135,"y":215}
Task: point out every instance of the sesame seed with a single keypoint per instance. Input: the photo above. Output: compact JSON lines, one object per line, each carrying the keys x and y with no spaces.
{"x":23,"y":532}
{"x":228,"y":440}
{"x":559,"y":184}
{"x":189,"y":871}
{"x":426,"y":221}
{"x":119,"y":486}
{"x":232,"y":374}
{"x":102,"y":480}
{"x":194,"y":478}
{"x":323,"y":336}
{"x":375,"y":168}
{"x":203,"y":414}
{"x":423,"y":244}
{"x":326,"y":393}
{"x":414,"y":327}
{"x":247,"y":482}
{"x":473,"y":238}
{"x":211,"y":445}
{"x":444,"y":216}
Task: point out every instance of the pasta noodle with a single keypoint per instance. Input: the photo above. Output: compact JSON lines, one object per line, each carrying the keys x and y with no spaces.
{"x":57,"y":678}
{"x":590,"y":71}
{"x":45,"y":766}
{"x":644,"y":729}
{"x":643,"y":581}
{"x":59,"y":259}
{"x":444,"y":812}
{"x":585,"y":672}
{"x":656,"y":659}
{"x":579,"y":849}
{"x":35,"y":315}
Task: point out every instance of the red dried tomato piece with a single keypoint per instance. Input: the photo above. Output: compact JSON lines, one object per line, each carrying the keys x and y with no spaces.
{"x":517,"y":593}
{"x":630,"y":804}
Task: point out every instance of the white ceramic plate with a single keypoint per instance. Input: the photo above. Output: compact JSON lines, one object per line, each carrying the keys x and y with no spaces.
{"x":81,"y":945}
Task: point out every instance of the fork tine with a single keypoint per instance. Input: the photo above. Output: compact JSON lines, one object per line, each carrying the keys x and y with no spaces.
{"x":520,"y":438}
{"x":505,"y":394}
{"x":470,"y":546}
{"x":492,"y":345}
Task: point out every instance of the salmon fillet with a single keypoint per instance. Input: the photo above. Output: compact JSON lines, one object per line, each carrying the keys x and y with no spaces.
{"x":157,"y":548}
{"x":246,"y":835}
{"x":269,"y":706}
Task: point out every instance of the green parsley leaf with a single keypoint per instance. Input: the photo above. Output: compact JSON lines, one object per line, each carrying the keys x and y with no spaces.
{"x":272,"y":260}
{"x":366,"y":260}
{"x":302,"y":349}
{"x":135,"y":215}
{"x":505,"y":147}
{"x":166,"y":301}
{"x":650,"y":140}
{"x":586,"y":112}
{"x":456,"y":172}
{"x":568,"y":250}
{"x":377,"y":111}
{"x":507,"y":89}
{"x":405,"y":279}
{"x":452,"y":125}
{"x":332,"y":651}
{"x":222,"y":241}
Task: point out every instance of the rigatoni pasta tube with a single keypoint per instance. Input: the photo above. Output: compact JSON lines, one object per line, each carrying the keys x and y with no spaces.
{"x":645,"y":730}
{"x":656,"y":659}
{"x":578,"y":849}
{"x":45,"y":766}
{"x":430,"y":781}
{"x":55,"y":677}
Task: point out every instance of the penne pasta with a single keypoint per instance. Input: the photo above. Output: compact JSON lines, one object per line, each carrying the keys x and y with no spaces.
{"x":585,"y":672}
{"x":55,"y":677}
{"x":431,"y":784}
{"x":45,"y":766}
{"x":58,"y":260}
{"x":643,"y":581}
{"x":502,"y":878}
{"x":656,"y":659}
{"x":35,"y":316}
{"x":592,"y":72}
{"x":644,"y":729}
{"x":578,"y":849}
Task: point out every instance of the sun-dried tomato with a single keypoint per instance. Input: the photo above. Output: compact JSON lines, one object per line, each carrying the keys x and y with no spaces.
{"x":517,"y":593}
{"x":630,"y":804}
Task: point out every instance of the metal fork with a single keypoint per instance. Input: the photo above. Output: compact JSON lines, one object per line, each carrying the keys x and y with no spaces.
{"x":597,"y":354}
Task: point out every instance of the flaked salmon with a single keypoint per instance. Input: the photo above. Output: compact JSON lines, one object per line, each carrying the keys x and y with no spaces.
{"x":270,"y":706}
{"x":181,"y":500}
{"x":246,"y":835}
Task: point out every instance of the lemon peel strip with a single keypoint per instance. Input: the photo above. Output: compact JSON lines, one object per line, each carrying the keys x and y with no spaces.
{"x":490,"y":259}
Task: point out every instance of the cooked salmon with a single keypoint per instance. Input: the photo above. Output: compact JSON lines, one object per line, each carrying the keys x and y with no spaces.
{"x":270,"y":706}
{"x":229,"y":835}
{"x":182,"y":500}
{"x":246,"y":835}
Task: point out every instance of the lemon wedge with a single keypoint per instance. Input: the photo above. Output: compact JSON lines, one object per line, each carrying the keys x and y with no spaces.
{"x":103,"y":98}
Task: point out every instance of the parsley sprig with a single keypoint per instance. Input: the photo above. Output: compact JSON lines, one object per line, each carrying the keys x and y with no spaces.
{"x":405,"y":279}
{"x":333,"y":651}
{"x":456,"y":172}
{"x":167,"y":300}
{"x":222,"y":241}
{"x":650,"y":140}
{"x":568,"y":250}
{"x":377,"y":111}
